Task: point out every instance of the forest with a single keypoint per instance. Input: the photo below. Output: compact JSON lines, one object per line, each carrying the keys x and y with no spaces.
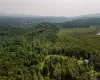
{"x":50,"y":51}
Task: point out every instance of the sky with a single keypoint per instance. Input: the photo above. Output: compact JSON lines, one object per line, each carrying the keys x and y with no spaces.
{"x":50,"y":7}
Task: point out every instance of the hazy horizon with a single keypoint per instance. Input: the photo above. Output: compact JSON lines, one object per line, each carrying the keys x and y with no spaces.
{"x":66,"y":8}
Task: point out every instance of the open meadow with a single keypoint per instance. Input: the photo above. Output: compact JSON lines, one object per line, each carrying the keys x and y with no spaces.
{"x":72,"y":31}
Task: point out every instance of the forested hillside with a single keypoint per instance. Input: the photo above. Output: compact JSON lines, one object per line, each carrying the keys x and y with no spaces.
{"x":82,"y":22}
{"x":47,"y":52}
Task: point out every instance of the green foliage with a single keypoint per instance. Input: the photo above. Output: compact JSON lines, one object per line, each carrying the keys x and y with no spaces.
{"x":45,"y":52}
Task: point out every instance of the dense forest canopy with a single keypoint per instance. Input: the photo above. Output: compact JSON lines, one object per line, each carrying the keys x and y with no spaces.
{"x":50,"y":51}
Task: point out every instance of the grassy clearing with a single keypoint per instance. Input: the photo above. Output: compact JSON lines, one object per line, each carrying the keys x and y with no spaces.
{"x":86,"y":38}
{"x":71,"y":31}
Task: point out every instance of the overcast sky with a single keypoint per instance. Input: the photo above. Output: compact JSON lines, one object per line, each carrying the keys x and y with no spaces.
{"x":50,"y":7}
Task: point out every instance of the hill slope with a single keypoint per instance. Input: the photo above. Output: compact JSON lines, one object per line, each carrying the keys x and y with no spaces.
{"x":83,"y":22}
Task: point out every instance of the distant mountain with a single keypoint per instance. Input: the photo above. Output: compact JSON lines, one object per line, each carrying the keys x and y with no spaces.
{"x":82,"y":22}
{"x":26,"y":20}
{"x":20,"y":19}
{"x":97,"y":15}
